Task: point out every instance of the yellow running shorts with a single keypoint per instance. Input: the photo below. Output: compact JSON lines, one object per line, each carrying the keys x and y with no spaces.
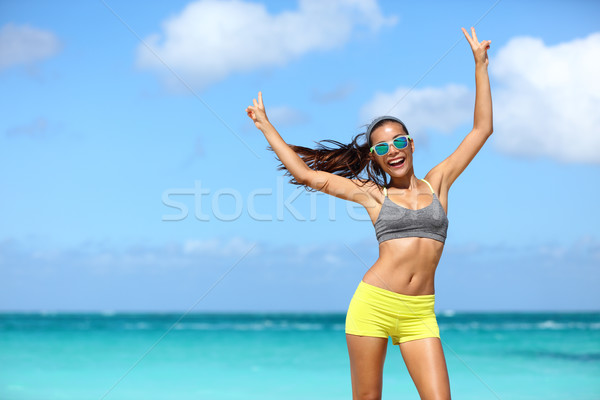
{"x":377,"y":312}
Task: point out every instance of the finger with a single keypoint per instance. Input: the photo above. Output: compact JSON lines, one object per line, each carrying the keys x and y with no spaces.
{"x":260,"y":100}
{"x":254,"y":102}
{"x":474,"y":35}
{"x":467,"y":36}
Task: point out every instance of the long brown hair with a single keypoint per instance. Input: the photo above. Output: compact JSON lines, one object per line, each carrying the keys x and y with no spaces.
{"x":347,"y":160}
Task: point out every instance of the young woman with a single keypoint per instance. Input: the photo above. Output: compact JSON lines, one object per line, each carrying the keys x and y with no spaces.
{"x":396,"y":295}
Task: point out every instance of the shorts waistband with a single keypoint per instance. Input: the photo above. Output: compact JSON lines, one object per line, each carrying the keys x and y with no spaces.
{"x":388,"y":293}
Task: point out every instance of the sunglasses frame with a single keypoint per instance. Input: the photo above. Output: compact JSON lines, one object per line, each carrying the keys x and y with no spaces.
{"x":408,"y":139}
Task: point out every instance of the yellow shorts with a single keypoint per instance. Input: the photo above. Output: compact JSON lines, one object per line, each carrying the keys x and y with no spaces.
{"x":377,"y":312}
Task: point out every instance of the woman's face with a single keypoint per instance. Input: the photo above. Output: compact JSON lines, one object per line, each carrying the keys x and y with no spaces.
{"x":397,"y":162}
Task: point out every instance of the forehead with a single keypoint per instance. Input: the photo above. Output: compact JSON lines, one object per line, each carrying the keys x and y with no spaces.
{"x":387,"y":131}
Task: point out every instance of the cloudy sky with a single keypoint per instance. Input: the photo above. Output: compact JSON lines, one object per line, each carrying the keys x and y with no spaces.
{"x":133,"y":179}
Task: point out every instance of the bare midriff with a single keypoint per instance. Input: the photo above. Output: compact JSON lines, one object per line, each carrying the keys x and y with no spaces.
{"x":406,"y":266}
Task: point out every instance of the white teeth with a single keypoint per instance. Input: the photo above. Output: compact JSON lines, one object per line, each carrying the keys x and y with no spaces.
{"x":396,"y":161}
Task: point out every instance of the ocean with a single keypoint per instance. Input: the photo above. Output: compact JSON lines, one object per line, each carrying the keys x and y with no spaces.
{"x":508,"y":356}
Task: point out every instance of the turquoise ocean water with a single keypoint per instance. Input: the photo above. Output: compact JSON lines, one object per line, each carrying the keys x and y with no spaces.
{"x":506,"y":356}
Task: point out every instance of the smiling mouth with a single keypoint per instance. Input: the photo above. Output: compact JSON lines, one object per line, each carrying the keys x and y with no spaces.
{"x":397,"y":163}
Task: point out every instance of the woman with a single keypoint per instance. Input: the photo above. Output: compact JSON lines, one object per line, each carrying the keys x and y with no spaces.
{"x":396,"y":295}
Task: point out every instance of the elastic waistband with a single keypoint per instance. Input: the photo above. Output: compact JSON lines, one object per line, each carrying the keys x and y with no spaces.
{"x":393,"y":295}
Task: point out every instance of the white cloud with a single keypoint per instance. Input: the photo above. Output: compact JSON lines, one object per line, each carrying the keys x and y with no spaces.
{"x":548,"y":99}
{"x":24,"y":45}
{"x":212,"y":39}
{"x":440,"y":109}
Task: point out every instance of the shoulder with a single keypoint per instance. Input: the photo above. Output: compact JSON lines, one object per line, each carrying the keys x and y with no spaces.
{"x":435,"y":177}
{"x":374,"y":198}
{"x":374,"y":191}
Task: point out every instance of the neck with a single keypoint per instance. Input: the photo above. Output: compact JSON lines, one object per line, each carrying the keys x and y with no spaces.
{"x":408,"y":181}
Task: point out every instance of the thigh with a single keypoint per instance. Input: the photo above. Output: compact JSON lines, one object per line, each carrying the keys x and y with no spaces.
{"x":426,"y":365}
{"x":367,"y":356}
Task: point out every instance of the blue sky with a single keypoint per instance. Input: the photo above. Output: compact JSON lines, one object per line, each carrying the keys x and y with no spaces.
{"x":133,"y":179}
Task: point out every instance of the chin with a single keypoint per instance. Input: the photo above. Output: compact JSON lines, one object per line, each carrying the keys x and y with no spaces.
{"x":402,"y":171}
{"x":398,"y":174}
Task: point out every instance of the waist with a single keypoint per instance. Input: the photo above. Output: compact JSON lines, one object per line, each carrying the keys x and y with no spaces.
{"x":401,"y":283}
{"x":390,"y":294}
{"x":398,"y":303}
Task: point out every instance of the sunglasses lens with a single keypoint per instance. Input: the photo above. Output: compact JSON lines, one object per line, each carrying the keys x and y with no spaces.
{"x":381,"y":149}
{"x":401,"y":142}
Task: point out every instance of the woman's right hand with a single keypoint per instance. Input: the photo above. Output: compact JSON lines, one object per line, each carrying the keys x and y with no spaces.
{"x":257,"y":112}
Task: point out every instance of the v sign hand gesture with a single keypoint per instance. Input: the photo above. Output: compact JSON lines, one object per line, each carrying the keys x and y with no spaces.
{"x":257,"y":112}
{"x":479,"y":48}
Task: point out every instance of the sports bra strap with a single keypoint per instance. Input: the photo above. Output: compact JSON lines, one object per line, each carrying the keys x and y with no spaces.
{"x":385,"y":188}
{"x":428,"y":185}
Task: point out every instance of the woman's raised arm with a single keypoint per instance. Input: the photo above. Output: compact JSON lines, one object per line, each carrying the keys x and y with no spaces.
{"x":326,"y":182}
{"x":288,"y":157}
{"x":455,"y":164}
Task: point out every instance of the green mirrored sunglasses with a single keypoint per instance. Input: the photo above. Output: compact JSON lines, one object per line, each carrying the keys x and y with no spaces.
{"x":382,"y":148}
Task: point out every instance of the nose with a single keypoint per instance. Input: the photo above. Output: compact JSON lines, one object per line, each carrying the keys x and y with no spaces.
{"x":393,"y":151}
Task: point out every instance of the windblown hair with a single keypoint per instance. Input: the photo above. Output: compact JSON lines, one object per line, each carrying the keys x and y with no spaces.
{"x":348,"y":161}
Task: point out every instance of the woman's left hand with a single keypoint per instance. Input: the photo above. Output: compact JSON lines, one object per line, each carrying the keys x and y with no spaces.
{"x":479,"y":48}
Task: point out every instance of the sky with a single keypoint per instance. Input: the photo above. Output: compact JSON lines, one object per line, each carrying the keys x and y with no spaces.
{"x":133,"y":179}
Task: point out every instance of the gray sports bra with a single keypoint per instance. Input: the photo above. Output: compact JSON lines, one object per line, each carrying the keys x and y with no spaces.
{"x":395,"y":221}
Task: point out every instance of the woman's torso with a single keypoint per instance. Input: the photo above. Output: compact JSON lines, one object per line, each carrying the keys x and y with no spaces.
{"x":407,"y":265}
